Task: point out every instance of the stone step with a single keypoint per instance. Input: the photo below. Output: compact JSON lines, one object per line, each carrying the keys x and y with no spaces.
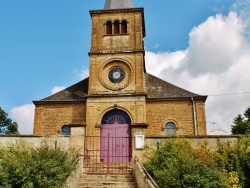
{"x":108,"y":177}
{"x":107,"y":181}
{"x":106,"y":186}
{"x":110,"y":171}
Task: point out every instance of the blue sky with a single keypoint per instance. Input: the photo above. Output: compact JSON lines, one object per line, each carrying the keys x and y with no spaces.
{"x":44,"y":45}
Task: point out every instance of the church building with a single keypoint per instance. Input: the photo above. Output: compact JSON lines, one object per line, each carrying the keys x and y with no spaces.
{"x":120,"y":99}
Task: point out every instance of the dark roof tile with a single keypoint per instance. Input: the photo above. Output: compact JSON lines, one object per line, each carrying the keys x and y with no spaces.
{"x":155,"y":89}
{"x":77,"y":91}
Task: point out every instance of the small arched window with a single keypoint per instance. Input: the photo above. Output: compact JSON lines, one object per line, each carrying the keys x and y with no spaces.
{"x":65,"y":130}
{"x":116,"y":27}
{"x":108,"y":27}
{"x":124,"y":27}
{"x":170,"y":129}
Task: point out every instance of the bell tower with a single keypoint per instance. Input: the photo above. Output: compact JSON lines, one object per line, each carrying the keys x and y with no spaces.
{"x":117,"y":65}
{"x":117,"y":51}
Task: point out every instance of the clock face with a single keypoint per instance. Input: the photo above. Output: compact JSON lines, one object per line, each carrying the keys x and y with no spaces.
{"x":116,"y":74}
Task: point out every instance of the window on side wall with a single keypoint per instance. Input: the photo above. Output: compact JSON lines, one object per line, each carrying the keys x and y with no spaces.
{"x":66,"y":130}
{"x":170,"y":129}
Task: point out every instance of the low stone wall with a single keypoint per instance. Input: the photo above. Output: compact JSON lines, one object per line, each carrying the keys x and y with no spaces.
{"x":197,"y":141}
{"x":62,"y":142}
{"x":210,"y":142}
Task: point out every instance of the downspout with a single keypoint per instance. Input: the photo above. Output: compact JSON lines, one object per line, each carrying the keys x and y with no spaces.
{"x":194,"y":114}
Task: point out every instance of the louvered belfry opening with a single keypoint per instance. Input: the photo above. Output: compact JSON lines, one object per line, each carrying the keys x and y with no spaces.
{"x":108,"y":27}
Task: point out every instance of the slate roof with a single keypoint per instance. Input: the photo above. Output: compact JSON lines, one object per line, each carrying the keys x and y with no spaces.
{"x":155,"y":89}
{"x":160,"y":89}
{"x":118,"y":4}
{"x":76,"y":92}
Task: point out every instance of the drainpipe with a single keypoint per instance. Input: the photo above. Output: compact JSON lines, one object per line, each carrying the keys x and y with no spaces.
{"x":194,"y":114}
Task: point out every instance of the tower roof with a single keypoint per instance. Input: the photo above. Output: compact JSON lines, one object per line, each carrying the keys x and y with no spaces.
{"x":118,"y":4}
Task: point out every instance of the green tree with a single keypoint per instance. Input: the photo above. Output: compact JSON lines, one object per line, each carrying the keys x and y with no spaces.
{"x":247,"y":114}
{"x":242,"y":124}
{"x":7,"y":126}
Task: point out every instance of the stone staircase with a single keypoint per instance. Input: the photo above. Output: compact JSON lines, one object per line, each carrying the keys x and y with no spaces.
{"x":107,"y":181}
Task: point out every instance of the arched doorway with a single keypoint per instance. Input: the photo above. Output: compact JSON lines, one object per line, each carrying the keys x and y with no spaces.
{"x":115,"y":137}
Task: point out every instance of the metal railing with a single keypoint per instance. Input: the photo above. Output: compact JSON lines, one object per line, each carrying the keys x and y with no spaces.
{"x":147,"y":175}
{"x":106,"y":155}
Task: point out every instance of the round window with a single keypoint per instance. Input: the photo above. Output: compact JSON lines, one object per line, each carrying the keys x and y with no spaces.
{"x":116,"y":74}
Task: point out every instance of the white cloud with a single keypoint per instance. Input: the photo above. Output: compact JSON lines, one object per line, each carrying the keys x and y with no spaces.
{"x":242,"y":7}
{"x":82,"y":73}
{"x":216,"y":62}
{"x":57,"y":89}
{"x":157,"y":45}
{"x":215,"y":45}
{"x":24,"y":116}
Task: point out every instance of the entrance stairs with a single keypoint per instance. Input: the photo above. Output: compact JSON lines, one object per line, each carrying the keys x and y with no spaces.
{"x":107,"y":181}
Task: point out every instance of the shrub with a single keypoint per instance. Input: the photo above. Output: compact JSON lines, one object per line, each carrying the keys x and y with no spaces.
{"x":177,"y":164}
{"x":235,"y":158}
{"x":23,"y":166}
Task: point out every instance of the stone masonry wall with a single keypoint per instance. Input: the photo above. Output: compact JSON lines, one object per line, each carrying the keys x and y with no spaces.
{"x":201,"y":118}
{"x":161,"y":112}
{"x":49,"y":118}
{"x":52,"y":141}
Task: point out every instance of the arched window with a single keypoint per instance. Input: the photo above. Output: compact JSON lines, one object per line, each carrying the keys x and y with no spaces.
{"x":116,"y":27}
{"x":108,"y":27}
{"x":65,"y":130}
{"x":117,"y":116}
{"x":124,"y":27}
{"x":170,"y":129}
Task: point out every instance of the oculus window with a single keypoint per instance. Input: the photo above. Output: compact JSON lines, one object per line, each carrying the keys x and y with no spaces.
{"x":116,"y":74}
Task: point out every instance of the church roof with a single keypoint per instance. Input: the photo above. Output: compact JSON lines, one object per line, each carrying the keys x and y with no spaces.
{"x":76,"y":92}
{"x":118,"y":4}
{"x":160,"y":89}
{"x":155,"y":89}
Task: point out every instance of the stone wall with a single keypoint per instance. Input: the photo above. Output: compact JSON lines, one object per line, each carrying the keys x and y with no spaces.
{"x":210,"y":142}
{"x":50,"y":117}
{"x":178,"y":112}
{"x":197,"y":141}
{"x":52,"y":141}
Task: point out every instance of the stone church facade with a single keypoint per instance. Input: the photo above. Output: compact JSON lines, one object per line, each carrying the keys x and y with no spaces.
{"x":119,"y":93}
